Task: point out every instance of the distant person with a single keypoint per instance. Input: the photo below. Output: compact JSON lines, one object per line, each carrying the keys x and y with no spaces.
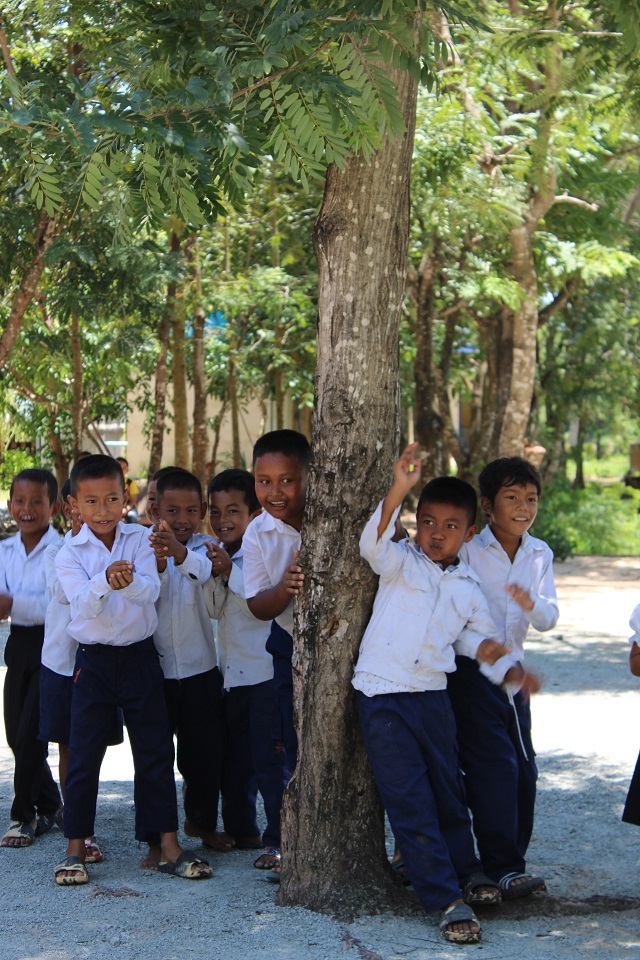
{"x":427,"y":601}
{"x":631,"y":813}
{"x":132,"y":491}
{"x":272,"y":577}
{"x":24,"y":599}
{"x":254,"y":759}
{"x":184,"y":641}
{"x":108,"y":574}
{"x":491,"y":703}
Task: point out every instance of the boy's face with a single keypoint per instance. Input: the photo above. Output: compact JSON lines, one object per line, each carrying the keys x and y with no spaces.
{"x":182,"y":510}
{"x":281,"y":487}
{"x":100,"y":502}
{"x":229,"y":517}
{"x":513,"y":510}
{"x":30,"y":508}
{"x":442,"y":529}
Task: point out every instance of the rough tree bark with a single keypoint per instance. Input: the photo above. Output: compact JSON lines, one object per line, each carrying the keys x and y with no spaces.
{"x":76,"y":353}
{"x":179,"y":370}
{"x":333,"y":840}
{"x":160,"y":395}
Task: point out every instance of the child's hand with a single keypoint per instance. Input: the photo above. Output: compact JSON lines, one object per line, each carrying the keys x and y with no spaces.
{"x":406,"y":470}
{"x":166,"y":544}
{"x":529,"y":682}
{"x":634,"y":659}
{"x":120,"y":574}
{"x":220,"y":560}
{"x":521,"y":596}
{"x":6,"y":602}
{"x":490,"y":651}
{"x":76,"y":522}
{"x":293,"y":577}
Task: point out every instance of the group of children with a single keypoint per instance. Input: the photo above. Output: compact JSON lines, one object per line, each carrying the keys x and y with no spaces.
{"x":128,"y":634}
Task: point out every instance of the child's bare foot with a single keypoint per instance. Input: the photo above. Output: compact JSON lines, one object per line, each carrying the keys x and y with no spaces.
{"x":153,"y":857}
{"x":19,"y":834}
{"x":269,"y":859}
{"x":217,"y":840}
{"x":180,"y":863}
{"x":93,"y":851}
{"x":459,"y":924}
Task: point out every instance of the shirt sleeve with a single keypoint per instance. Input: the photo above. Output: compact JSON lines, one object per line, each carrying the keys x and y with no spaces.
{"x":545,"y":612}
{"x":383,"y":555}
{"x":256,"y":576}
{"x":634,"y":623}
{"x":479,"y":627}
{"x":88,"y":595}
{"x":145,"y":588}
{"x":196,"y":566}
{"x":53,"y":583}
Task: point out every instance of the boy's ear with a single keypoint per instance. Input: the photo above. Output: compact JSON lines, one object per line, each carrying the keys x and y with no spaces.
{"x":471,"y":532}
{"x":486,"y":506}
{"x":74,"y":503}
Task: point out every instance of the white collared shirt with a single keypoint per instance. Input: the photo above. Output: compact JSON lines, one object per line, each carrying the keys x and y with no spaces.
{"x":59,"y":648}
{"x":100,"y":614}
{"x":420,"y":611}
{"x":23,"y":576}
{"x":242,"y":638}
{"x":269,"y":546}
{"x":184,"y":635}
{"x":634,"y":623}
{"x":532,"y":569}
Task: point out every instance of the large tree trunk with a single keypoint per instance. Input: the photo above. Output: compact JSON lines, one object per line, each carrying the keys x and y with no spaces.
{"x":45,"y":232}
{"x":333,"y":839}
{"x":76,"y":353}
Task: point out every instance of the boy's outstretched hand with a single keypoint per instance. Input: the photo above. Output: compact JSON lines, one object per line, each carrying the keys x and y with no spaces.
{"x":293,"y":577}
{"x":165,"y":544}
{"x":406,"y":470}
{"x":220,"y":560}
{"x":490,"y":651}
{"x":120,"y":574}
{"x":521,"y":596}
{"x":527,"y":681}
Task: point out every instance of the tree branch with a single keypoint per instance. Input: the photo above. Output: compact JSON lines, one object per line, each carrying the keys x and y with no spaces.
{"x":6,"y":53}
{"x":559,"y":301}
{"x":576,"y":201}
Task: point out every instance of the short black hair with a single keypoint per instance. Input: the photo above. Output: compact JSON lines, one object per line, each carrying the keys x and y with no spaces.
{"x":451,"y":490}
{"x":507,"y":472}
{"x":240,"y":480}
{"x":37,"y":475}
{"x":96,"y":466}
{"x":178,"y":479}
{"x":161,"y":472}
{"x":122,"y":460}
{"x":290,"y":443}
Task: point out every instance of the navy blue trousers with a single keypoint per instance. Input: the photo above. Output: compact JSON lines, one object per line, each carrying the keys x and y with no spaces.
{"x":255,"y":760}
{"x":498,"y":760}
{"x":280,"y":646}
{"x":410,"y":740}
{"x":34,"y":788}
{"x":130,"y":677}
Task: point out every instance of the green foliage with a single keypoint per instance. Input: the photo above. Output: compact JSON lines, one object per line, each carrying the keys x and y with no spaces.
{"x":13,"y":462}
{"x":601,"y":519}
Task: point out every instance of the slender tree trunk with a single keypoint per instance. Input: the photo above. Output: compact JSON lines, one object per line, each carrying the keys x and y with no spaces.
{"x":179,"y":370}
{"x":578,"y":455}
{"x":216,"y":436}
{"x":44,"y":234}
{"x":279,"y":392}
{"x":76,"y":353}
{"x":235,"y":419}
{"x":333,"y":839}
{"x":60,"y":460}
{"x":199,"y":442}
{"x":160,"y":394}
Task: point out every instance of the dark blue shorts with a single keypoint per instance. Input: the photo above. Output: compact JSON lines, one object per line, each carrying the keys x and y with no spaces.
{"x":55,"y":710}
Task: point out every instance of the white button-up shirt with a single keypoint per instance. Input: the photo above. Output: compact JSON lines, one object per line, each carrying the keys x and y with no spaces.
{"x":532,"y":569}
{"x":23,"y":576}
{"x":269,"y":545}
{"x":100,"y":614}
{"x":634,"y":623}
{"x":184,"y":635}
{"x":420,"y":611}
{"x":244,"y":660}
{"x":59,"y":648}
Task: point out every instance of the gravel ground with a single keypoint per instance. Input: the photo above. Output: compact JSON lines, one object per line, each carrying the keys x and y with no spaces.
{"x":587,"y":735}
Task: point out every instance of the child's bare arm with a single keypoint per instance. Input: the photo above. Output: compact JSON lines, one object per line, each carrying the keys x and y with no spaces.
{"x":6,"y":602}
{"x":634,"y":659}
{"x":119,"y":574}
{"x":406,"y":473}
{"x":271,"y":603}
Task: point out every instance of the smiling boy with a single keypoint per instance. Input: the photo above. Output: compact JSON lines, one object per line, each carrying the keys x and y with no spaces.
{"x":108,"y":574}
{"x":184,"y":640}
{"x":427,"y":601}
{"x":24,"y":598}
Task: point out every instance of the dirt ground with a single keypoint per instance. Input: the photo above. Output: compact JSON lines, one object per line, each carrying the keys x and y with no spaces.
{"x":587,"y":735}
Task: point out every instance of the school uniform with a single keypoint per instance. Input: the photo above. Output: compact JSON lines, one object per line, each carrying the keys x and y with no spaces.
{"x":23,"y":576}
{"x":631,"y":813}
{"x":116,"y":666}
{"x":192,"y":681}
{"x":494,"y":724}
{"x":254,"y":759}
{"x":405,"y":658}
{"x":269,"y":546}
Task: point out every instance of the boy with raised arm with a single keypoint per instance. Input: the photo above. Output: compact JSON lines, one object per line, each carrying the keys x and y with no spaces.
{"x":108,"y":574}
{"x":427,"y":600}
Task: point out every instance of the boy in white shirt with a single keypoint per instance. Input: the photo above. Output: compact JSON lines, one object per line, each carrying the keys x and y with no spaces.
{"x":185,"y":644}
{"x":491,"y":704}
{"x":427,"y":600}
{"x":271,"y":546}
{"x":108,"y":574}
{"x":254,"y":757}
{"x":24,"y":599}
